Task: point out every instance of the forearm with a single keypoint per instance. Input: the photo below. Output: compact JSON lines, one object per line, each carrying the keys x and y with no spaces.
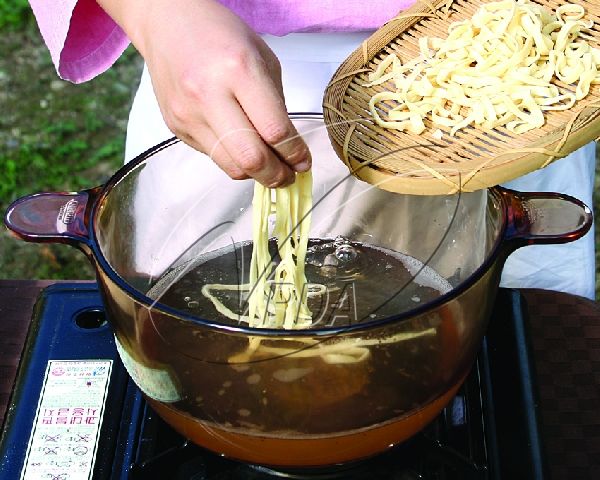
{"x":129,"y":15}
{"x":141,"y":19}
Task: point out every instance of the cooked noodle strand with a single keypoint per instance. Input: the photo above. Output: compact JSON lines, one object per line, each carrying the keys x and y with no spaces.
{"x":494,"y":69}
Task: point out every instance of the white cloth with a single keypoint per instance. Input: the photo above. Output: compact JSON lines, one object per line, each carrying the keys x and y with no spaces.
{"x":308,"y":63}
{"x":570,"y":267}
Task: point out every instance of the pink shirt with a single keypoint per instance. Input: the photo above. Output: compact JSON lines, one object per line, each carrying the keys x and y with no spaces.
{"x":84,"y":41}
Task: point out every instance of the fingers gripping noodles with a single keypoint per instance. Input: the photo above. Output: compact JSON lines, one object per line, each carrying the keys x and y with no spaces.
{"x":494,"y":69}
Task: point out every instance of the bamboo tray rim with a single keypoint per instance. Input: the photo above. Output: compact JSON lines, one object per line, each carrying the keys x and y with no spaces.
{"x":349,"y":122}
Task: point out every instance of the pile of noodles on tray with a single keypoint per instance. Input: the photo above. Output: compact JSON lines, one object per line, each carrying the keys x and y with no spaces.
{"x":498,"y":68}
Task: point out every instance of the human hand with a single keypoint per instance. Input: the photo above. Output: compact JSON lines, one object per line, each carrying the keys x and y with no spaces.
{"x":218,"y":86}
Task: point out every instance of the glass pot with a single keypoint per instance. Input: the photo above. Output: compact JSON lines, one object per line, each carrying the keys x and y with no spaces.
{"x":336,"y":392}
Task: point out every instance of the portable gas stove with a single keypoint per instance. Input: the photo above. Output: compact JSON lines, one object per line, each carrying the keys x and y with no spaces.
{"x":75,"y":413}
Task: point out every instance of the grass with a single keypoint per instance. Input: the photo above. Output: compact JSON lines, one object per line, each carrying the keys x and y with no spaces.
{"x":55,"y":136}
{"x":14,"y":14}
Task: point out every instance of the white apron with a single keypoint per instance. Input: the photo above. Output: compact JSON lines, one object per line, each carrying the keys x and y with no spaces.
{"x":308,"y":62}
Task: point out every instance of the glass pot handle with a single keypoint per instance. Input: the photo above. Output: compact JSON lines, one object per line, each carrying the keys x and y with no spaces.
{"x":52,"y":217}
{"x":538,"y":218}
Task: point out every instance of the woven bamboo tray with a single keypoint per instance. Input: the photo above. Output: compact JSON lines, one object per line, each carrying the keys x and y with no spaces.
{"x":471,"y":160}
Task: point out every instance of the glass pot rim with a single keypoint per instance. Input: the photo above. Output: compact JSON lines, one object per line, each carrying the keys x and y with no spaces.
{"x":151,"y":304}
{"x":520,"y":218}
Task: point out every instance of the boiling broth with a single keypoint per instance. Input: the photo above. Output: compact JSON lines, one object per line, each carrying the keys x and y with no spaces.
{"x":286,"y":385}
{"x":362,"y":282}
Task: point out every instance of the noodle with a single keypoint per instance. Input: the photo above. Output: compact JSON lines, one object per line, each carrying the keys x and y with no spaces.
{"x":492,"y":70}
{"x":278,"y":297}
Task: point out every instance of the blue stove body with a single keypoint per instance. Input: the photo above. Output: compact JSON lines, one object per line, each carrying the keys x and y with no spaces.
{"x":489,"y":431}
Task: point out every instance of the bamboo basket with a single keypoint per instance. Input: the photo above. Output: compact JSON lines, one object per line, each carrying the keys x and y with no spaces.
{"x":474,"y":158}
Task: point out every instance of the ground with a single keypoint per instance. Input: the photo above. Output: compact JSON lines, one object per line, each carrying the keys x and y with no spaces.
{"x":56,"y":136}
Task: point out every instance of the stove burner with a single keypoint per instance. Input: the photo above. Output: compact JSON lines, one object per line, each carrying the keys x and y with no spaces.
{"x":91,"y":318}
{"x":453,"y":447}
{"x":422,"y":457}
{"x":488,"y":431}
